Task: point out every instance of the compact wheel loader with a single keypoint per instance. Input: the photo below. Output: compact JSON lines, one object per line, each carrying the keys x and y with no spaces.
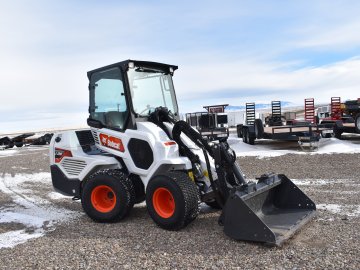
{"x":137,"y":149}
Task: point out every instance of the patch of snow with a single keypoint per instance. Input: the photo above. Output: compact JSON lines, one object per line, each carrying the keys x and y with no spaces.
{"x":333,"y":145}
{"x":20,"y":168}
{"x":36,"y":213}
{"x":57,"y":196}
{"x":321,"y":182}
{"x":269,"y":148}
{"x":349,"y":210}
{"x":242,"y":149}
{"x":13,"y":238}
{"x":8,"y":152}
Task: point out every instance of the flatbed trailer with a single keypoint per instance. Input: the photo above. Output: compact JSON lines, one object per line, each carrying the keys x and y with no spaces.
{"x":305,"y":133}
{"x":17,"y":141}
{"x":24,"y":140}
{"x":344,"y":118}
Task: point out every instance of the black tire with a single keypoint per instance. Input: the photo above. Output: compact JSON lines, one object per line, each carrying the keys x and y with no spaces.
{"x":338,"y":130}
{"x":245,"y":135}
{"x":250,"y":138}
{"x":239,"y":129}
{"x":179,"y":202}
{"x":116,"y":185}
{"x":357,"y":123}
{"x":259,"y":128}
{"x":337,"y":134}
{"x":10,"y":145}
{"x":19,"y":144}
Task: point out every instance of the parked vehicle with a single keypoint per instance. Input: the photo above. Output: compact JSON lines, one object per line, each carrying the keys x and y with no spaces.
{"x":137,"y":149}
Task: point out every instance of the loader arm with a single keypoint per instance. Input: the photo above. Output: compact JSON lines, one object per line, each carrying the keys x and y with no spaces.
{"x":271,"y":210}
{"x":226,"y":167}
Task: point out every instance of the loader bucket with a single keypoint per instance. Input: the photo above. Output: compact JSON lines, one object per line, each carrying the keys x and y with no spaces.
{"x":271,"y":211}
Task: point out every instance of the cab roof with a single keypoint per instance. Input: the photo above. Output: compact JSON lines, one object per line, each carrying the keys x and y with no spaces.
{"x":125,"y":64}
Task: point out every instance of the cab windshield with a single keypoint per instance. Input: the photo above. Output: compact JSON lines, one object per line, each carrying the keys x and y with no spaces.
{"x":151,"y":88}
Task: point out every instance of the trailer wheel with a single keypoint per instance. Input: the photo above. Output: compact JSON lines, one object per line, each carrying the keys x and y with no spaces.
{"x":107,"y":196}
{"x":259,"y":128}
{"x":357,"y":123}
{"x":19,"y":144}
{"x":245,"y":133}
{"x":172,"y":200}
{"x":10,"y":145}
{"x":239,"y":129}
{"x":250,"y":139}
{"x":338,"y":130}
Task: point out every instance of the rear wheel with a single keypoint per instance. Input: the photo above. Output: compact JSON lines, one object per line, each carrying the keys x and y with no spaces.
{"x":239,"y":130}
{"x":172,"y":200}
{"x":337,"y":130}
{"x":245,"y":135}
{"x":357,"y":123}
{"x":251,"y":140}
{"x":107,"y":196}
{"x":259,"y":128}
{"x":19,"y":144}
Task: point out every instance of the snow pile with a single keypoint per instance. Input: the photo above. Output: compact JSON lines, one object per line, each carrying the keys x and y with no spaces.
{"x":334,"y":145}
{"x":260,"y":150}
{"x":349,"y":210}
{"x":37,"y":214}
{"x":8,"y":152}
{"x":269,"y":148}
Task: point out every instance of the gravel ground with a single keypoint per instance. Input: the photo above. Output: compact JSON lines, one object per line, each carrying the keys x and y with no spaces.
{"x":330,"y":241}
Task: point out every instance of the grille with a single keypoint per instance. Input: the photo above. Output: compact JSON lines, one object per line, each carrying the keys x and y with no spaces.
{"x":73,"y":166}
{"x":85,"y":137}
{"x":95,"y":135}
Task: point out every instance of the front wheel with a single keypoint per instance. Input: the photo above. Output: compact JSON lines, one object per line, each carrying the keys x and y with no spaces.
{"x":172,"y":200}
{"x":107,"y":196}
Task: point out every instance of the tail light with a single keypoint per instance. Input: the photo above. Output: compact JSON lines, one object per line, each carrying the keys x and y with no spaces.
{"x":60,"y":154}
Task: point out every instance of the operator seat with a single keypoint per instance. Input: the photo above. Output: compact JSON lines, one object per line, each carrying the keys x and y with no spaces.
{"x":115,"y":119}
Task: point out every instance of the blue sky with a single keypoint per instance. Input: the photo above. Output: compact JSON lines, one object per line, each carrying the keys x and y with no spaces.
{"x":227,"y":51}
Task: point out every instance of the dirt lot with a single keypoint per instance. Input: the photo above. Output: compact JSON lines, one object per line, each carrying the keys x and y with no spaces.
{"x":41,"y":229}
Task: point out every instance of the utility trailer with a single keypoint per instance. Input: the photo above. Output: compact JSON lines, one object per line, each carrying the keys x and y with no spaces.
{"x":25,"y":139}
{"x":18,"y":141}
{"x":42,"y":140}
{"x":212,"y":125}
{"x":307,"y":134}
{"x":351,"y":112}
{"x":344,"y":117}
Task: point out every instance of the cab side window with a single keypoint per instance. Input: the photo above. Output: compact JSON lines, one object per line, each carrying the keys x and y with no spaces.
{"x":107,"y":99}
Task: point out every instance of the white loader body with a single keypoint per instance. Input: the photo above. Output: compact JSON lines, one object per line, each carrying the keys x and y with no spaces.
{"x":113,"y":144}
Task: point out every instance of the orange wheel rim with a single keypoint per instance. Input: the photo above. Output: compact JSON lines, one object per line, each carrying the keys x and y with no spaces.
{"x":164,"y":203}
{"x":103,"y":198}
